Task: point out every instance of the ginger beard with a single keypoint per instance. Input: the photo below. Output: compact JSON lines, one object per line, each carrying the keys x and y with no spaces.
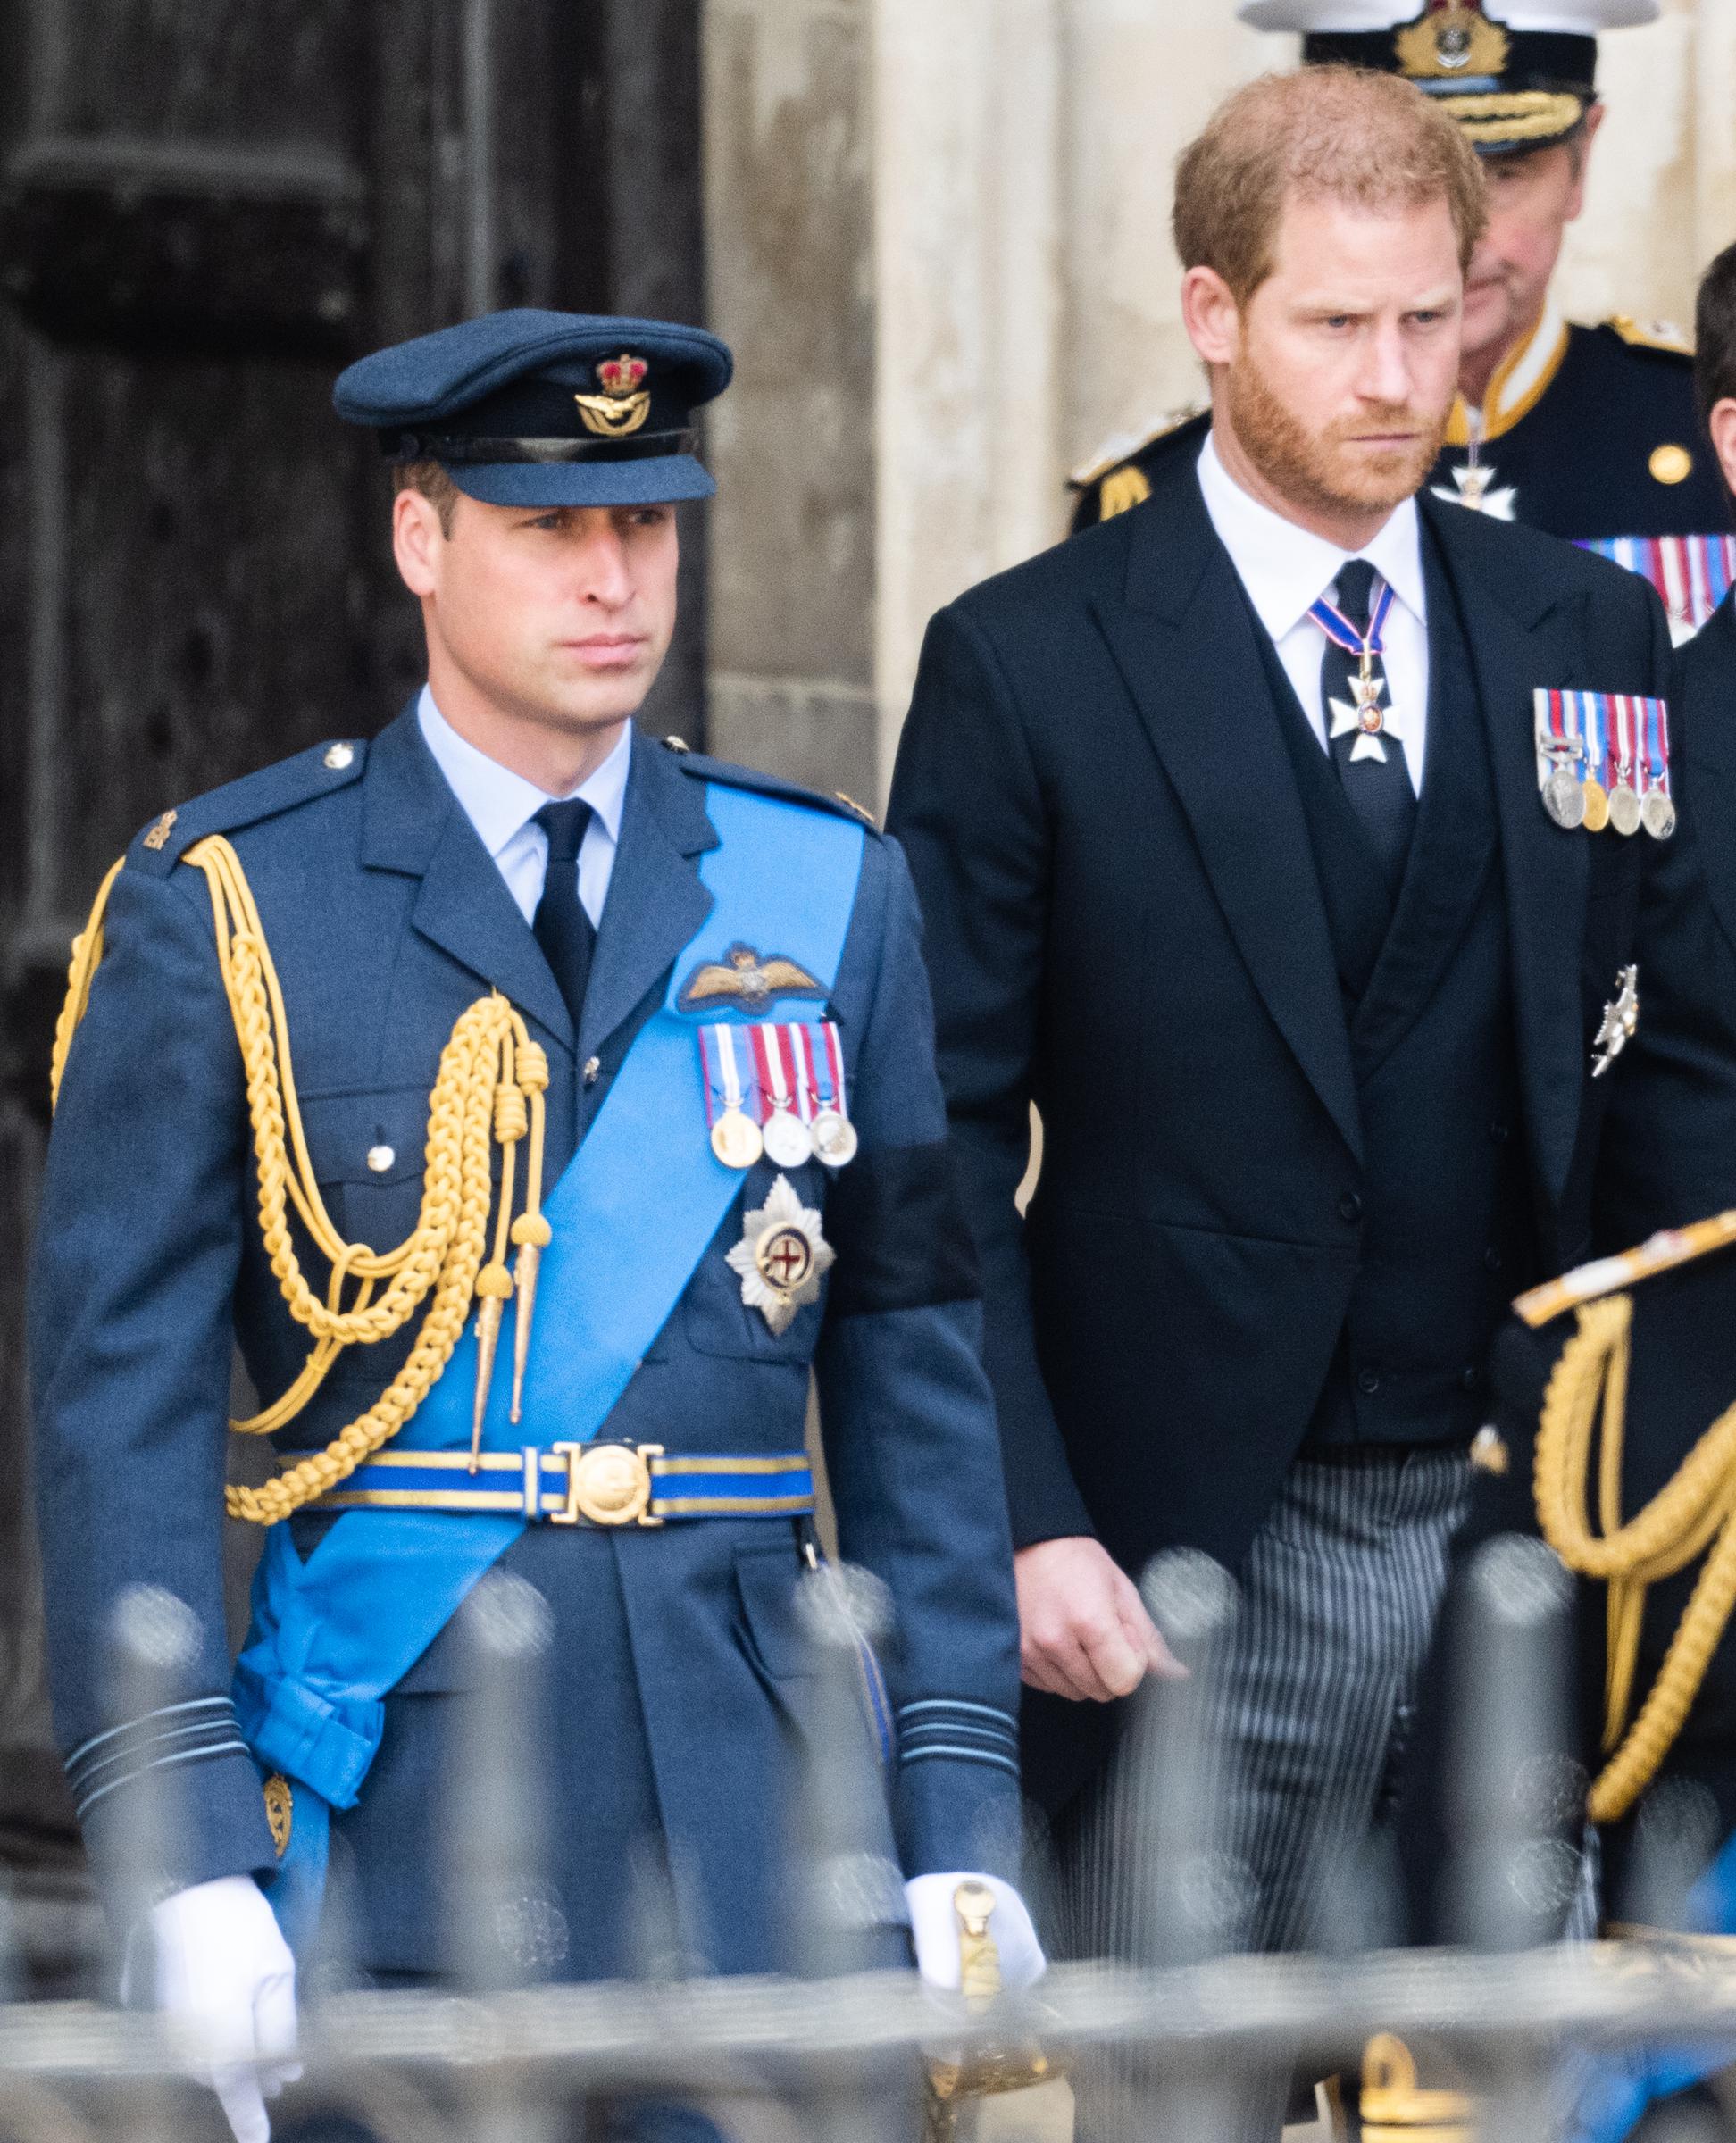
{"x":1324,"y":470}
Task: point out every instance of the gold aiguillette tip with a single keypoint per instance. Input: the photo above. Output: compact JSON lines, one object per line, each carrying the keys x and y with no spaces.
{"x":530,"y":1263}
{"x":494,"y":1285}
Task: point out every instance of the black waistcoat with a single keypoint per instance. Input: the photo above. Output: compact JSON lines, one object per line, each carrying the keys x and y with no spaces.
{"x":1447,"y":1238}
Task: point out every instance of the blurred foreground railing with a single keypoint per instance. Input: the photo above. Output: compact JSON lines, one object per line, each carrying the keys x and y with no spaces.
{"x":1171,"y":2041}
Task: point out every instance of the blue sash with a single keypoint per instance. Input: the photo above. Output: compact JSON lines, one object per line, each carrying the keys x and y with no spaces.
{"x":332,"y":1635}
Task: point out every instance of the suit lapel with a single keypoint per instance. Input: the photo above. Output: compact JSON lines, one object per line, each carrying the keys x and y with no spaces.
{"x":1183,"y":641}
{"x":656,"y":899}
{"x":1706,"y":675}
{"x":412,"y":823}
{"x":1521,"y":638}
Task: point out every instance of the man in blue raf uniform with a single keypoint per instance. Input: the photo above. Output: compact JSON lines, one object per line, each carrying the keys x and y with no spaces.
{"x":1589,"y":433}
{"x":628,"y":1057}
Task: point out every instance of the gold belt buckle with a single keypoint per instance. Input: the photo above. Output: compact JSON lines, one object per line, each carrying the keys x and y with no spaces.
{"x":607,"y":1484}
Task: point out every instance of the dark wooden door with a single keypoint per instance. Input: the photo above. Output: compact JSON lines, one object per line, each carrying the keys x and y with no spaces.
{"x":206,"y":209}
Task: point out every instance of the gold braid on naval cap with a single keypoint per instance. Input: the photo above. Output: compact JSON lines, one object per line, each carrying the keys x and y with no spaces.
{"x":1694,"y":1513}
{"x":489,"y":1092}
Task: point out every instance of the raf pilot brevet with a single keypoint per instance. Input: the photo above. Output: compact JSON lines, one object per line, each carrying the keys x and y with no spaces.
{"x":1603,"y":760}
{"x":1368,"y":721}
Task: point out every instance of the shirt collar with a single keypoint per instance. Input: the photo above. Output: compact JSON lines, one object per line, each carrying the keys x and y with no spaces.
{"x":499,"y":803}
{"x":1286,"y":568}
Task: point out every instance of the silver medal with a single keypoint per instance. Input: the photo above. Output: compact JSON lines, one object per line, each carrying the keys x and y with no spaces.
{"x":834,"y":1139}
{"x":1563,"y":798}
{"x":788,"y":1140}
{"x":1624,"y":808}
{"x":1657,"y":815}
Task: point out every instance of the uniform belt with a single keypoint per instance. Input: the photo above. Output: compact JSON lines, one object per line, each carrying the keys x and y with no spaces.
{"x":599,"y":1483}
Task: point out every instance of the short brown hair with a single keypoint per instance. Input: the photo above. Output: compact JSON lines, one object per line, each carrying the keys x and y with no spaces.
{"x":431,"y":479}
{"x":1327,"y":133}
{"x":1714,"y":333}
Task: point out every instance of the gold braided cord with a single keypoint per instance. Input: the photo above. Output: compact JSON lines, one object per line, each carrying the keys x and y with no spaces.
{"x":489,"y":1088}
{"x":86,"y":951}
{"x":1513,"y":115}
{"x":1693,"y":1512}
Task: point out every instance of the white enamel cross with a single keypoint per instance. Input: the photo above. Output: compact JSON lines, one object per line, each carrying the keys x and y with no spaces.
{"x":1368,"y":720}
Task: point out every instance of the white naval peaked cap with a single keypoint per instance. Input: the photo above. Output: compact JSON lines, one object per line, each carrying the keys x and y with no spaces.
{"x":1563,"y":17}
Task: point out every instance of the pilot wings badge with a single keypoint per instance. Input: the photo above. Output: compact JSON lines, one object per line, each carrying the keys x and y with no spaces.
{"x":1621,"y":1020}
{"x":743,"y":977}
{"x":782,"y":1257}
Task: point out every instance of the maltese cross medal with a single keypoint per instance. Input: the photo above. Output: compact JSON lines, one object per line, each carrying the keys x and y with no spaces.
{"x":1368,"y":720}
{"x":782,"y":1257}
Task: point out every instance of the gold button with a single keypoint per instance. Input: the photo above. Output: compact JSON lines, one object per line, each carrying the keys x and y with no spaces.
{"x":1671,"y":464}
{"x":380,"y":1159}
{"x":339,"y":756}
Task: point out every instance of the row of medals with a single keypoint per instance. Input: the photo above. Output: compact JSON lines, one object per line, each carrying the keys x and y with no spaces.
{"x":737,"y":1141}
{"x":1572,"y":802}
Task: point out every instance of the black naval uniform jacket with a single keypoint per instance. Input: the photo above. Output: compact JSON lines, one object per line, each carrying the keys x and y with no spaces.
{"x":1588,"y":458}
{"x":1283,"y":1159}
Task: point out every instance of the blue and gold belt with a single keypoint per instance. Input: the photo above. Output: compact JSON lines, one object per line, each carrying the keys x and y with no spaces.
{"x":604,"y":1483}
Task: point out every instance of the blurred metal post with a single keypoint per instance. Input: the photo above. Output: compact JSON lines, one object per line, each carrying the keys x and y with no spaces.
{"x":507,"y":1929}
{"x":1515,"y":1874}
{"x":1182,"y":1896}
{"x":155,"y":1648}
{"x":845,"y":1891}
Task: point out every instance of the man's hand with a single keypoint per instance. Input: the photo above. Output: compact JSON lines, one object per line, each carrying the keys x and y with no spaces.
{"x":934,"y":1930}
{"x":225,"y":1976}
{"x":1083,"y":1631}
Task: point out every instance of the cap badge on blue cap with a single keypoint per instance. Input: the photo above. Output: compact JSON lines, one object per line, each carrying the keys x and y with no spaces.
{"x":625,"y":402}
{"x":1452,"y":40}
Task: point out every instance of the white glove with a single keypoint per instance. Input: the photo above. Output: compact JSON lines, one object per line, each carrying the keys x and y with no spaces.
{"x":934,"y":1930}
{"x":226,"y":1981}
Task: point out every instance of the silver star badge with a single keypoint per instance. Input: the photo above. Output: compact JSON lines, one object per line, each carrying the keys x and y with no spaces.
{"x":782,"y":1257}
{"x":1621,"y":1019}
{"x":1368,"y":720}
{"x":1474,"y":488}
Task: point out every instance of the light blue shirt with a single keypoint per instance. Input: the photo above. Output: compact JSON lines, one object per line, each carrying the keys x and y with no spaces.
{"x":502,"y":805}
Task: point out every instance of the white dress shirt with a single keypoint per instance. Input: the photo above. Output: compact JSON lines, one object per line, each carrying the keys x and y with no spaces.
{"x":501,"y":806}
{"x":1286,"y":570}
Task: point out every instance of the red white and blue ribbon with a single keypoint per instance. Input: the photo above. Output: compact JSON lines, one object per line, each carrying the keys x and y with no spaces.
{"x":1692,"y":574}
{"x":1342,"y":633}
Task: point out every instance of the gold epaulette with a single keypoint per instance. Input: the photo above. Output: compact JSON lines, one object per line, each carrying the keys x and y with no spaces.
{"x":1652,"y":334}
{"x":1122,"y":445}
{"x":1670,"y":1247}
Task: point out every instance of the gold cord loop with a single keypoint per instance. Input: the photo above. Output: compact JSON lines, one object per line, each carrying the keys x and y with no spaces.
{"x":1691,"y":1514}
{"x":489,"y":1091}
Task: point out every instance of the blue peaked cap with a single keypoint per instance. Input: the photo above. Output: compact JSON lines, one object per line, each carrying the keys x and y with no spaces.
{"x":528,"y":408}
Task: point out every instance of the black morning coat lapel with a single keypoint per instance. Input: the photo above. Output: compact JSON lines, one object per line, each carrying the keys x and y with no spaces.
{"x":1182,"y":638}
{"x":1710,"y":737}
{"x":1453,"y":848}
{"x":1524,"y":633}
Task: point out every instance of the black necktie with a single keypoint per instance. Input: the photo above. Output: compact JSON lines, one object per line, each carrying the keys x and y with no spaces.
{"x":1380,"y":791}
{"x":562,"y":927}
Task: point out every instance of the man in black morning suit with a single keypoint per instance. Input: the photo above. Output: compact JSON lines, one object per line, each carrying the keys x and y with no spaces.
{"x":1310,"y":1119}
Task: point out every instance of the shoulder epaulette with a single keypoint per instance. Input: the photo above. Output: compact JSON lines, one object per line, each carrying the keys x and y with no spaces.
{"x":1652,"y":335}
{"x":1660,"y":1253}
{"x":281,"y":786}
{"x":1126,"y":445}
{"x":704,"y":768}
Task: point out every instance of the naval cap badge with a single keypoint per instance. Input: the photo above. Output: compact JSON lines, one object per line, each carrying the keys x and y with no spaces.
{"x":1446,"y":42}
{"x":624,"y":404}
{"x":782,"y":1257}
{"x":743,"y":977}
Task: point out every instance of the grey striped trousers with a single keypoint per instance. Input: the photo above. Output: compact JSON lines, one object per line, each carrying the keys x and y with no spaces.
{"x":1311,"y":1706}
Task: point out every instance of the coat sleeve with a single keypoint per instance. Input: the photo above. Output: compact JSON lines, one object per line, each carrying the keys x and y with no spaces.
{"x":1669,"y":1147}
{"x":968,"y":807}
{"x":138,"y":1247}
{"x":908,"y":1427}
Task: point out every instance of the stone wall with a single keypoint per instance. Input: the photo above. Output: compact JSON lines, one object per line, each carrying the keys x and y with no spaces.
{"x":937,"y":236}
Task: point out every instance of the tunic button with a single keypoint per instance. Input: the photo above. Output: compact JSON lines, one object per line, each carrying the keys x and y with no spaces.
{"x":1491,"y":1260}
{"x":593,"y":1065}
{"x":1350,"y":1207}
{"x":1470,"y":1380}
{"x":380,"y":1159}
{"x":339,"y":756}
{"x":1368,"y":1383}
